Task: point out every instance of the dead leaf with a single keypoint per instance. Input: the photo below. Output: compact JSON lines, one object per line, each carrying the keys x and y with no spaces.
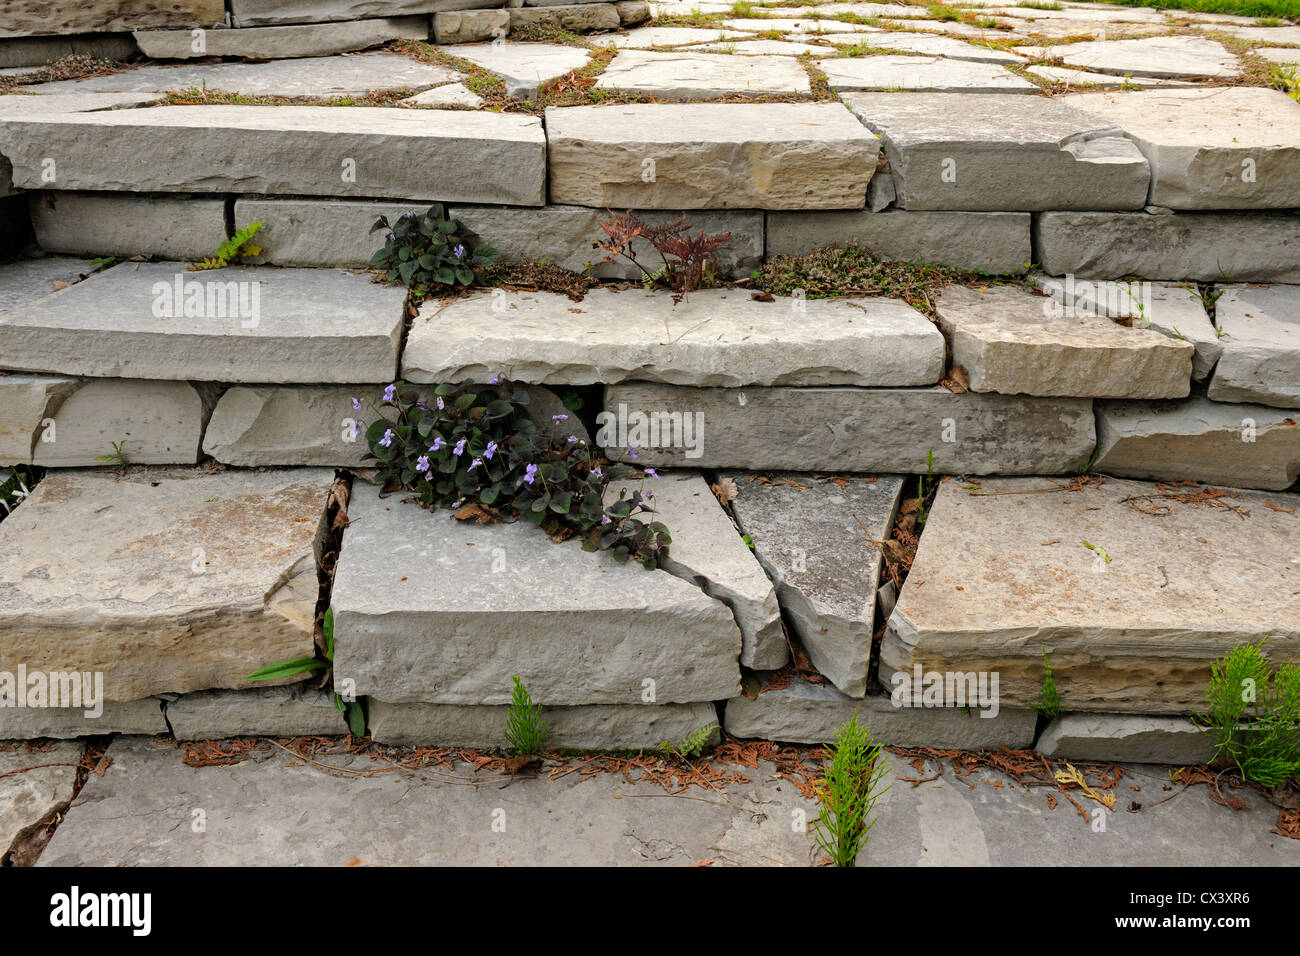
{"x":480,"y":514}
{"x":762,"y":297}
{"x":957,"y":380}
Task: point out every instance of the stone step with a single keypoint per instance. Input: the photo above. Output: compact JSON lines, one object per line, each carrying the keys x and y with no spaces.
{"x":159,"y":321}
{"x":143,"y":717}
{"x":916,"y":73}
{"x":1260,"y":330}
{"x":696,"y":75}
{"x":37,"y":18}
{"x":257,"y":425}
{"x":351,"y":151}
{"x":268,"y":13}
{"x":125,"y":225}
{"x":258,"y":711}
{"x":280,"y":42}
{"x":714,"y":337}
{"x":1173,"y":579}
{"x":26,"y":280}
{"x":1112,"y":738}
{"x":523,"y":66}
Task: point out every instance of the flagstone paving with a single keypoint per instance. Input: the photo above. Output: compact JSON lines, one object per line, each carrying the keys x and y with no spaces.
{"x":690,"y":75}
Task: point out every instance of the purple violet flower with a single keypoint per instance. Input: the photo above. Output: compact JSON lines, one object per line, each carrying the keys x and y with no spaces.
{"x":437,"y":443}
{"x":390,"y":393}
{"x":422,"y":463}
{"x":530,"y":474}
{"x":490,"y":450}
{"x":474,"y":464}
{"x":356,"y":406}
{"x":388,"y":437}
{"x":460,"y":448}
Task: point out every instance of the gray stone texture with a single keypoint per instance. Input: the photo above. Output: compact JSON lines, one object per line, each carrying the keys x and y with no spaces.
{"x":33,"y":784}
{"x":122,"y":224}
{"x":693,"y":75}
{"x":917,"y":73}
{"x":573,"y":17}
{"x":42,"y":18}
{"x":255,"y":711}
{"x":258,"y":13}
{"x":39,"y":50}
{"x":315,"y":232}
{"x":1261,"y":346}
{"x":523,"y":66}
{"x":1128,"y":738}
{"x":144,"y":716}
{"x":253,"y":426}
{"x":26,"y":280}
{"x":467,"y":26}
{"x":278,"y":43}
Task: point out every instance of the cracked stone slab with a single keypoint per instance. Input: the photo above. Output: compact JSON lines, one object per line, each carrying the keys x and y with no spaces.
{"x":36,"y":17}
{"x":523,"y":66}
{"x":583,"y":727}
{"x":259,"y":325}
{"x":644,"y":38}
{"x":255,"y":711}
{"x":808,"y":713}
{"x":1222,"y":148}
{"x":714,"y":337}
{"x":28,"y":797}
{"x":811,"y":536}
{"x":1127,"y":738}
{"x":282,"y":42}
{"x":1162,"y":56}
{"x":162,"y":580}
{"x":691,"y":75}
{"x":1016,"y":343}
{"x":809,"y":25}
{"x":1194,"y":439}
{"x":253,"y":426}
{"x":710,"y":155}
{"x":936,"y":75}
{"x":126,"y":225}
{"x":1135,"y":634}
{"x":845,"y":429}
{"x":953,"y":150}
{"x":144,"y":716}
{"x":420,"y":615}
{"x":1261,"y":346}
{"x":19,"y":106}
{"x":27,"y":280}
{"x":708,"y":551}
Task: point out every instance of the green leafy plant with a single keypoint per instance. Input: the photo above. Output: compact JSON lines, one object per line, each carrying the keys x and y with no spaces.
{"x":467,"y":445}
{"x":525,"y":729}
{"x":924,"y":485}
{"x":236,"y":247}
{"x":117,"y":456}
{"x":849,"y":792}
{"x":16,"y":484}
{"x":100,"y":263}
{"x":1254,"y":715}
{"x":430,"y":249}
{"x":1048,"y":701}
{"x":350,"y":709}
{"x":690,"y":746}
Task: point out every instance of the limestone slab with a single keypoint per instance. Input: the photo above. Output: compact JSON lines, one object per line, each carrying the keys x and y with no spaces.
{"x":956,"y":150}
{"x":1016,"y":343}
{"x":468,"y":26}
{"x":708,"y":551}
{"x":314,"y":232}
{"x":645,"y":38}
{"x":808,"y":24}
{"x":1284,"y":55}
{"x":1194,"y":439}
{"x":255,"y":13}
{"x":1261,"y":346}
{"x":36,"y":17}
{"x":255,"y":711}
{"x":871,"y":430}
{"x":28,"y":402}
{"x":253,"y":426}
{"x":691,"y":75}
{"x":1162,"y":56}
{"x":34,"y":784}
{"x":1274,"y":34}
{"x":156,"y":423}
{"x":41,"y":50}
{"x":256,"y":325}
{"x":1136,"y":634}
{"x":26,"y":280}
{"x":420,"y":615}
{"x":574,"y":17}
{"x":281,"y":42}
{"x":1126,"y":737}
{"x":18,"y":106}
{"x":452,"y":94}
{"x":812,"y":536}
{"x":936,"y":75}
{"x":704,"y":155}
{"x":125,"y":225}
{"x":1061,"y":74}
{"x":351,"y":151}
{"x":162,"y":581}
{"x":760,"y":48}
{"x":714,"y":337}
{"x":581,"y":727}
{"x":523,"y":66}
{"x":144,"y":716}
{"x":1219,"y":148}
{"x":632,"y":12}
{"x":931,"y":45}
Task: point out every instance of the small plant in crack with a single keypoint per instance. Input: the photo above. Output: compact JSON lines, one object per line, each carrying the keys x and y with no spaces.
{"x":526,"y":729}
{"x":117,"y":456}
{"x":236,"y":247}
{"x":688,"y":261}
{"x":431,"y":249}
{"x":349,"y":707}
{"x":690,"y":746}
{"x":849,"y":792}
{"x":1048,"y":701}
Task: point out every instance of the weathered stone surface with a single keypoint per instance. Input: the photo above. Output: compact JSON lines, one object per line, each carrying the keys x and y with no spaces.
{"x":467,"y":26}
{"x":759,"y":48}
{"x":26,"y":280}
{"x":691,"y":75}
{"x":18,"y":106}
{"x":1135,"y":634}
{"x":1279,"y":54}
{"x":122,"y":224}
{"x":708,"y":551}
{"x":1165,"y":56}
{"x":713,"y":337}
{"x":256,"y":13}
{"x":27,"y":402}
{"x":931,"y":45}
{"x":1016,"y":343}
{"x":313,"y":232}
{"x":1242,"y":446}
{"x":288,"y":425}
{"x":39,"y":17}
{"x":1126,"y":737}
{"x":97,"y":573}
{"x":704,"y":155}
{"x":881,"y":192}
{"x":1248,"y":247}
{"x":158,"y":423}
{"x":453,"y":94}
{"x":796,"y":25}
{"x":874,"y":430}
{"x":1261,"y":346}
{"x":523,"y":66}
{"x":279,"y":43}
{"x":562,"y":236}
{"x":1221,"y":148}
{"x":806,"y":713}
{"x":1061,"y":74}
{"x":583,"y":727}
{"x":807,"y":535}
{"x":577,"y":628}
{"x":267,"y":327}
{"x":40,"y":50}
{"x":993,"y":242}
{"x":574,"y":17}
{"x":1274,"y":34}
{"x":33,"y":784}
{"x":632,"y":12}
{"x":255,"y":711}
{"x":954,"y":150}
{"x":420,"y":154}
{"x":144,"y":716}
{"x":920,"y":73}
{"x":644,"y":38}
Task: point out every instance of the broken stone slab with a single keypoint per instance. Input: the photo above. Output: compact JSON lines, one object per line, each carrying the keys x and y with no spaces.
{"x":1016,"y":343}
{"x":34,"y":784}
{"x":144,"y":716}
{"x":574,"y":17}
{"x":350,"y":151}
{"x":813,"y":537}
{"x":160,"y":580}
{"x":312,"y":232}
{"x":252,"y":324}
{"x":1222,"y":148}
{"x":563,"y":236}
{"x":645,"y":38}
{"x":523,"y":66}
{"x":581,"y":727}
{"x":712,"y":337}
{"x":708,"y":551}
{"x":1161,"y":56}
{"x":280,"y":43}
{"x":1189,"y":247}
{"x":953,"y":151}
{"x":692,"y":75}
{"x":1261,"y":346}
{"x":709,"y":155}
{"x":1130,"y":625}
{"x":846,"y":429}
{"x":429,"y":609}
{"x":802,"y":712}
{"x":122,"y":224}
{"x":994,"y":242}
{"x":880,"y":192}
{"x":453,"y":94}
{"x":255,"y":711}
{"x":27,"y":280}
{"x":469,"y":26}
{"x":1127,"y":738}
{"x":253,"y":426}
{"x":257,"y":13}
{"x":1174,"y":309}
{"x":921,"y":73}
{"x":28,"y":401}
{"x":39,"y":18}
{"x":1194,"y":439}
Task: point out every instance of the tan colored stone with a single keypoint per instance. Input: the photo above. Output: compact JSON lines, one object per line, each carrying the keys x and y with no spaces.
{"x":45,"y":17}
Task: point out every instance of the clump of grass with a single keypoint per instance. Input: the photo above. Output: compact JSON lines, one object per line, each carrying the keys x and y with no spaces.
{"x":1270,"y":9}
{"x":849,"y":792}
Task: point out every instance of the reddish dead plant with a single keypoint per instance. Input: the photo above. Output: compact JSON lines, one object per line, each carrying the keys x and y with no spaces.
{"x":686,"y":258}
